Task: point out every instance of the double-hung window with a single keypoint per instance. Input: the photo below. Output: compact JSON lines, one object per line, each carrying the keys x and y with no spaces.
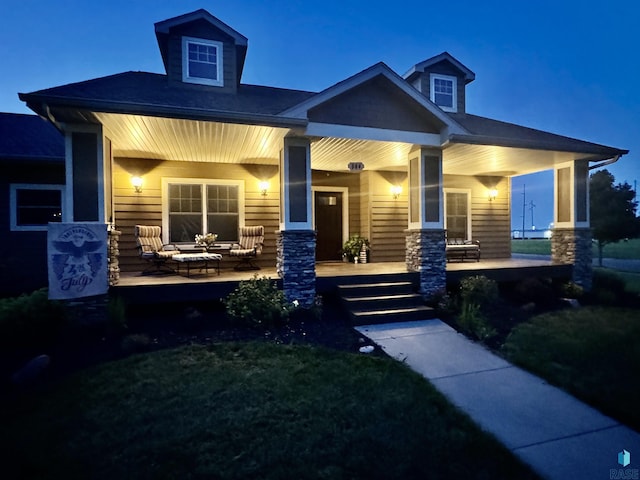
{"x":198,"y":207}
{"x":457,"y":214}
{"x":202,"y":61}
{"x":33,"y":206}
{"x":443,"y":92}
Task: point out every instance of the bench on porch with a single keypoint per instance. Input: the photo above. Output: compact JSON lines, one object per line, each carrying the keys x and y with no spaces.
{"x":459,"y":248}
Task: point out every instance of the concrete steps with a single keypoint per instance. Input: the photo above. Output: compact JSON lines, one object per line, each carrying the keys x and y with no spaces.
{"x":383,"y":302}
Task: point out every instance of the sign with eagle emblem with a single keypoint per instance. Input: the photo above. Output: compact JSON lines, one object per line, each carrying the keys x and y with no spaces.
{"x":77,"y":260}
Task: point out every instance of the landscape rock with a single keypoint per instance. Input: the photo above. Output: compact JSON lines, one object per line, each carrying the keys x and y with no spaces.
{"x":31,"y":371}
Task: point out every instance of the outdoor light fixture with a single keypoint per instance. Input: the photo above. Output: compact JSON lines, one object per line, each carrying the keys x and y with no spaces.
{"x":396,"y":190}
{"x":264,"y":187}
{"x":136,"y":181}
{"x":493,"y":193}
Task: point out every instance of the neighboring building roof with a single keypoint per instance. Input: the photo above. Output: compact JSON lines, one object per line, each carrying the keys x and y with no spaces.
{"x":152,"y":94}
{"x":485,"y":131}
{"x":29,"y":137}
{"x":418,"y":68}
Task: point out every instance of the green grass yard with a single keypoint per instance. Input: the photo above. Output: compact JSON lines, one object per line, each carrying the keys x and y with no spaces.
{"x":624,"y":250}
{"x":592,"y":352}
{"x":246,"y":410}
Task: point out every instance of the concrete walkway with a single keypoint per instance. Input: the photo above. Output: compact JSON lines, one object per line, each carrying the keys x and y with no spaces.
{"x":560,"y":437}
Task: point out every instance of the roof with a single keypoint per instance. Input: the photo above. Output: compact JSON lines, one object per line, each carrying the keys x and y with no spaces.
{"x":29,"y":137}
{"x":469,"y":76}
{"x":485,"y":131}
{"x":378,"y":69}
{"x":152,"y":94}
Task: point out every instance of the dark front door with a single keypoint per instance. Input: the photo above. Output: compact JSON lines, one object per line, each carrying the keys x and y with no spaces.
{"x":328,"y":225}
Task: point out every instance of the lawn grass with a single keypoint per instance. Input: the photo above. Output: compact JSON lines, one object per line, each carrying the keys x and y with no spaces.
{"x":247,"y":410}
{"x":594,"y":353}
{"x":622,"y":250}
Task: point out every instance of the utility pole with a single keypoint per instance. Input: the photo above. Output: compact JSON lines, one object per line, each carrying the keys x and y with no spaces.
{"x":531,"y":207}
{"x":524,"y":206}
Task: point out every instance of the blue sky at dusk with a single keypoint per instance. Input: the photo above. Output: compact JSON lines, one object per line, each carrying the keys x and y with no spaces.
{"x":568,"y":67}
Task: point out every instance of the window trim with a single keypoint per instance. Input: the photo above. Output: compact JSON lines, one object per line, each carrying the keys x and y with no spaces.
{"x":432,"y":95}
{"x":13,"y":205}
{"x":186,"y":41}
{"x":467,"y":191}
{"x":166,"y":181}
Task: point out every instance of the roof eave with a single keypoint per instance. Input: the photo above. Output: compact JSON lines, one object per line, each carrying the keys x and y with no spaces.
{"x":601,"y":152}
{"x":38,"y":103}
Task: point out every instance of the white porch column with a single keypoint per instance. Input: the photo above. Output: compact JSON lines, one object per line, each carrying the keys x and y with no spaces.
{"x":571,"y":235}
{"x":296,"y":248}
{"x":425,"y":241}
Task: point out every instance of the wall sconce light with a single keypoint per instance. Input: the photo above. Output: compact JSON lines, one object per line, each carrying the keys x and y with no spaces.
{"x":264,"y":188}
{"x":493,"y":193}
{"x":396,"y":190}
{"x":136,"y":181}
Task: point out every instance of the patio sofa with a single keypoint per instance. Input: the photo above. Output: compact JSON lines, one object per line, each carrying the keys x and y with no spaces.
{"x":461,"y":249}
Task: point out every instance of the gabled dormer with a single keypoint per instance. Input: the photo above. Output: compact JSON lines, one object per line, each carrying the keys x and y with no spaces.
{"x":443,"y":80}
{"x":199,"y":49}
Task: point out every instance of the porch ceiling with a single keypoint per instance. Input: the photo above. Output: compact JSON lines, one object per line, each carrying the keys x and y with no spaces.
{"x":137,"y":136}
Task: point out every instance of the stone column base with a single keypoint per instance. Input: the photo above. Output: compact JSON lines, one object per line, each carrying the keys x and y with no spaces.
{"x":114,"y":255}
{"x":426,"y":253}
{"x":573,"y":246}
{"x":296,"y":265}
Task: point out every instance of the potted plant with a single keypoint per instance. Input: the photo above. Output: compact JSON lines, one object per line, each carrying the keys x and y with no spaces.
{"x":207,"y":240}
{"x":352,"y":248}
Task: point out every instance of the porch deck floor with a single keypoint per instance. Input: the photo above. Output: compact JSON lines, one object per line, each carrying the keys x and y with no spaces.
{"x":323,"y":270}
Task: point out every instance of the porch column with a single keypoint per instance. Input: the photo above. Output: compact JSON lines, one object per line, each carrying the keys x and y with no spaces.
{"x":88,"y":174}
{"x":571,"y":235}
{"x":296,"y":239}
{"x":425,"y":240}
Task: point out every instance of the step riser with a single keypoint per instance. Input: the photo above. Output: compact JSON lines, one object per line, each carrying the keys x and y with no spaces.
{"x":392,"y":318}
{"x":371,"y":291}
{"x":387,"y":304}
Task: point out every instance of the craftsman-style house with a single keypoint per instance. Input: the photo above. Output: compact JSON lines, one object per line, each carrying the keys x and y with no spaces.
{"x":395,"y":158}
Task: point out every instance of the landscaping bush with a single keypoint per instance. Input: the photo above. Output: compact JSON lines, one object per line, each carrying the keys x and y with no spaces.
{"x":30,"y":320}
{"x":258,"y":303}
{"x":607,"y":288}
{"x":477,"y":295}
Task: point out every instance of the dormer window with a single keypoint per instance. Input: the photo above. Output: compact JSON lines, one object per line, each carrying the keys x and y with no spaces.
{"x":202,"y":61}
{"x":443,"y":92}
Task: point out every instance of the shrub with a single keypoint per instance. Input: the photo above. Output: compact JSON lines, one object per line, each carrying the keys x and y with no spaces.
{"x":477,"y":294}
{"x":535,"y":290}
{"x":478,"y":290}
{"x":473,"y":322}
{"x":572,"y":290}
{"x":258,"y":303}
{"x":607,"y":288}
{"x":30,"y":319}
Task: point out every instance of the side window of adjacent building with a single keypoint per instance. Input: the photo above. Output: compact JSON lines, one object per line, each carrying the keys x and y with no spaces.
{"x":457,"y":214}
{"x":197,"y":207}
{"x":33,"y":206}
{"x":202,"y":61}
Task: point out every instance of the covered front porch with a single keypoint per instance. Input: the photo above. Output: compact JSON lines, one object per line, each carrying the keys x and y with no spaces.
{"x":136,"y":288}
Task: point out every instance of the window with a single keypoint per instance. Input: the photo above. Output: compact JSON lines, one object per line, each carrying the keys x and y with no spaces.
{"x":457,"y":217}
{"x":34,"y":206}
{"x":443,"y":92}
{"x":202,"y":61}
{"x":198,"y":207}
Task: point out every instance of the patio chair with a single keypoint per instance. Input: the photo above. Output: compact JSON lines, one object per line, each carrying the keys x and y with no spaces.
{"x":152,"y":250}
{"x":248,"y":248}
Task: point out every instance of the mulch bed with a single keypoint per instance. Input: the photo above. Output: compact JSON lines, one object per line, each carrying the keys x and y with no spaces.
{"x":163,"y":326}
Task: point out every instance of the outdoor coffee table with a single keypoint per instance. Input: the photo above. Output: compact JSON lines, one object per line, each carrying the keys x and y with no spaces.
{"x":202,"y":260}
